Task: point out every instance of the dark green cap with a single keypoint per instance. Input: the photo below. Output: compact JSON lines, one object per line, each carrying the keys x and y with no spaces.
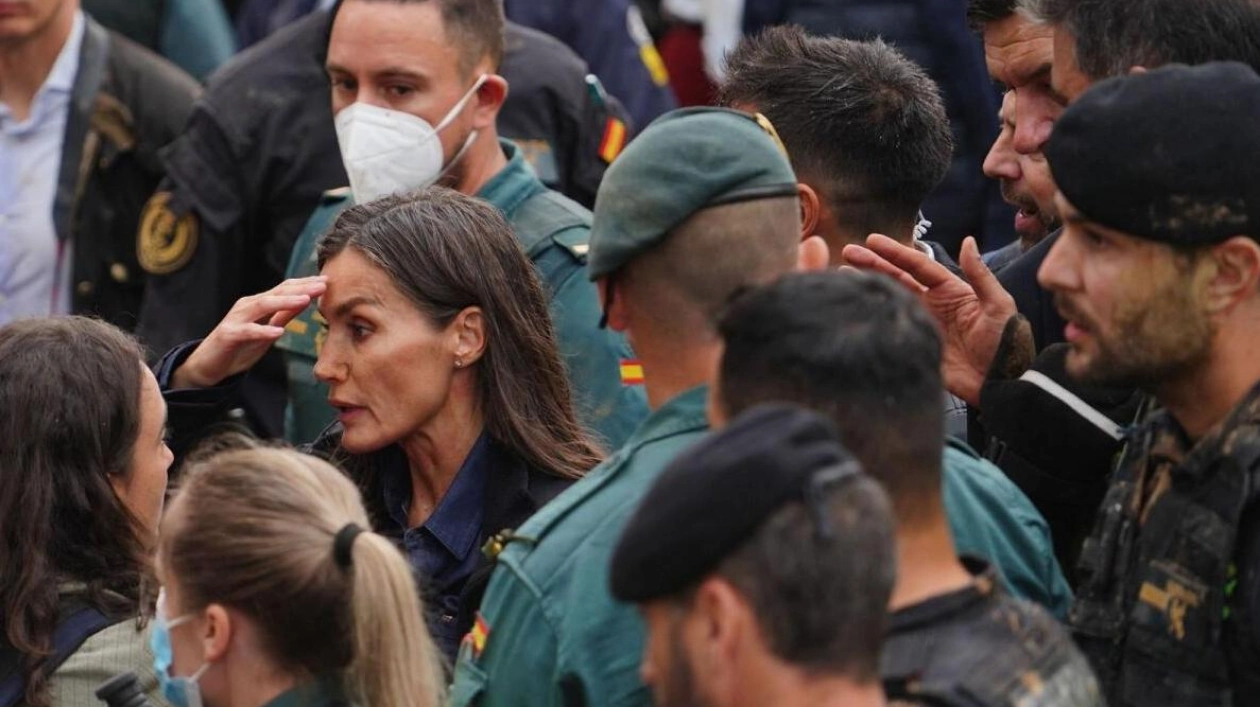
{"x":685,"y":161}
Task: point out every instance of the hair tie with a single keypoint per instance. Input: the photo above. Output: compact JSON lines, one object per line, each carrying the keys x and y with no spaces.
{"x":343,"y":543}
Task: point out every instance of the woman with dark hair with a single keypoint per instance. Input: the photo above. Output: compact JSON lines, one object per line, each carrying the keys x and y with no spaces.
{"x":454,"y":412}
{"x":83,"y":463}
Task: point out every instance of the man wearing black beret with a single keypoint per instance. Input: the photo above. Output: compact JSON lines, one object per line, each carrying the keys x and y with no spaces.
{"x":861,"y":350}
{"x":1158,"y":276}
{"x":779,"y":599}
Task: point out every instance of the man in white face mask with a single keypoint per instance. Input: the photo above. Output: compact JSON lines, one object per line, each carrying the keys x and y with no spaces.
{"x":415,"y":95}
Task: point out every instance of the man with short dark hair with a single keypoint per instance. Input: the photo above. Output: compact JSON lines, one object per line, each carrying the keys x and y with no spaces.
{"x":870,"y":146}
{"x":701,"y":204}
{"x":782,"y":598}
{"x":860,"y":350}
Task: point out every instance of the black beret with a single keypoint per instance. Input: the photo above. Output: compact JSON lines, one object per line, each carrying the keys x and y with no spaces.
{"x":1170,"y":155}
{"x":715,"y":495}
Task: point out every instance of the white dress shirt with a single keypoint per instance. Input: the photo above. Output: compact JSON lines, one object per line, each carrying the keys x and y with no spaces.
{"x":34,"y":266}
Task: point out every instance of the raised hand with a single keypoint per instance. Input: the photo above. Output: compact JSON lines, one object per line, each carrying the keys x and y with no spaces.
{"x":972,"y":315}
{"x":246,"y":332}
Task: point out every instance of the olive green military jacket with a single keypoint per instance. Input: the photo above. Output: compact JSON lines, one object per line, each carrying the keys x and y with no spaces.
{"x":554,"y":232}
{"x":549,"y":631}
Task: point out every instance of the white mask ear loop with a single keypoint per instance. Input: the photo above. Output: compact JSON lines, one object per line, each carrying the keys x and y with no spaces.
{"x":459,"y":107}
{"x":472,"y":136}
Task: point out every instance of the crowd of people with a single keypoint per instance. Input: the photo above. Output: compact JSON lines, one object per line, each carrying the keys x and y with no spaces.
{"x":425,"y":353}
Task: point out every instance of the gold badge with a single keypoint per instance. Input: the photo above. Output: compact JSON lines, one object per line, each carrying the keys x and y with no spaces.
{"x":767,"y":126}
{"x":166,"y":242}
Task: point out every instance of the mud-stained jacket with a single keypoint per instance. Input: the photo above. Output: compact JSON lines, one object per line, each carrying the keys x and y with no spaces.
{"x":1167,"y":607}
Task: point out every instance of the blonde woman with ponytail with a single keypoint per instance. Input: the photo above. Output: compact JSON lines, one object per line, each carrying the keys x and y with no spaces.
{"x":275,"y":595}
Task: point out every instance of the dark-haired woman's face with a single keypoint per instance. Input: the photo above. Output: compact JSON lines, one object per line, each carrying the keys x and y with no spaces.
{"x":143,"y":488}
{"x":390,"y":371}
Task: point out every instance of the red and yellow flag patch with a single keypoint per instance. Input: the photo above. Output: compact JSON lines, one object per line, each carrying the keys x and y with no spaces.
{"x":476,"y":638}
{"x":614,"y":140}
{"x":631,"y":372}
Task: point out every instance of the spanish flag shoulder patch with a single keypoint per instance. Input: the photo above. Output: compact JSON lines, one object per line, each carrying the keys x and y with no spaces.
{"x":631,"y":372}
{"x":614,"y":140}
{"x":476,"y":638}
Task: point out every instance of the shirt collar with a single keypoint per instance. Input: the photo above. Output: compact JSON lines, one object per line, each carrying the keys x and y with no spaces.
{"x":456,"y":522}
{"x":66,"y":68}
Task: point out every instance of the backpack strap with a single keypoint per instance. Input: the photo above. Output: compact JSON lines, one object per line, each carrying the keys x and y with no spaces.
{"x":80,"y":624}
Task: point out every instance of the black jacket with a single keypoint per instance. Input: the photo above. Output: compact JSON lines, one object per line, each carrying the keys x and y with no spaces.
{"x":127,"y":104}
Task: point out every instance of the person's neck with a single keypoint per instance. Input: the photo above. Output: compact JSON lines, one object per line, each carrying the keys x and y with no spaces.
{"x":436,"y":453}
{"x":927,"y":563}
{"x":670,"y":369}
{"x":784,"y":686}
{"x":837,"y":239}
{"x":25,"y":64}
{"x":483,"y":161}
{"x":261,"y":684}
{"x":1203,"y":398}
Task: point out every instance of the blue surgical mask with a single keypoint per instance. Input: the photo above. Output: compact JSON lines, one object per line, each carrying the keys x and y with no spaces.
{"x":179,"y":691}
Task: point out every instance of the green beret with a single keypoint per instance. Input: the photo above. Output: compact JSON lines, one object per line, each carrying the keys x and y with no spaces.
{"x":685,"y":161}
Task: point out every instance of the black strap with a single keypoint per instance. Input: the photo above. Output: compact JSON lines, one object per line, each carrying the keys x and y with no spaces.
{"x":67,"y":638}
{"x":87,"y":83}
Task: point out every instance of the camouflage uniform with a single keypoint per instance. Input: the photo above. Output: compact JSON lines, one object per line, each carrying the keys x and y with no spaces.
{"x":1161,"y":611}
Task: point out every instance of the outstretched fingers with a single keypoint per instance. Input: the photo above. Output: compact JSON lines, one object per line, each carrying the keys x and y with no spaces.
{"x":986,"y":285}
{"x":863,"y":258}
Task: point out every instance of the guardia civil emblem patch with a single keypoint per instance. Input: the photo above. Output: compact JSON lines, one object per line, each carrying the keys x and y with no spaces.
{"x":165,"y":242}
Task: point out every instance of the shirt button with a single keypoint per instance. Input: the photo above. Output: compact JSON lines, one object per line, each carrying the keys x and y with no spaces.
{"x":118,"y":271}
{"x":85,"y":288}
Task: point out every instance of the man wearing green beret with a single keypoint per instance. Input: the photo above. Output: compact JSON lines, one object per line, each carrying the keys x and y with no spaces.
{"x":702,"y":204}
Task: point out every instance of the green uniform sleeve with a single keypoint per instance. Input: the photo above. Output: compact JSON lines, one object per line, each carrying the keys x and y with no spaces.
{"x":517,"y":662}
{"x":992,"y":519}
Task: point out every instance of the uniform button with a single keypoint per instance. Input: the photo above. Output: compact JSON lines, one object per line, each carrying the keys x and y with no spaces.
{"x":85,"y":288}
{"x":118,"y":271}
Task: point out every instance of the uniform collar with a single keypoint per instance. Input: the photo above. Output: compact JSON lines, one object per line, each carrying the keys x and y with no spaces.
{"x":938,"y":609}
{"x":681,"y":413}
{"x":324,"y":692}
{"x":514,"y":184}
{"x":1188,"y":457}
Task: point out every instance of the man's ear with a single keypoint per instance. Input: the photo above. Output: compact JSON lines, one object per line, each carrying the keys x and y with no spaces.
{"x":1236,"y":275}
{"x":727,"y":627}
{"x":489,"y":100}
{"x":612,"y":302}
{"x":811,"y":210}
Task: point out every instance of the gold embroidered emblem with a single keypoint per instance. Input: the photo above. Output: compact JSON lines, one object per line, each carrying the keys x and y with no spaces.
{"x":166,"y":242}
